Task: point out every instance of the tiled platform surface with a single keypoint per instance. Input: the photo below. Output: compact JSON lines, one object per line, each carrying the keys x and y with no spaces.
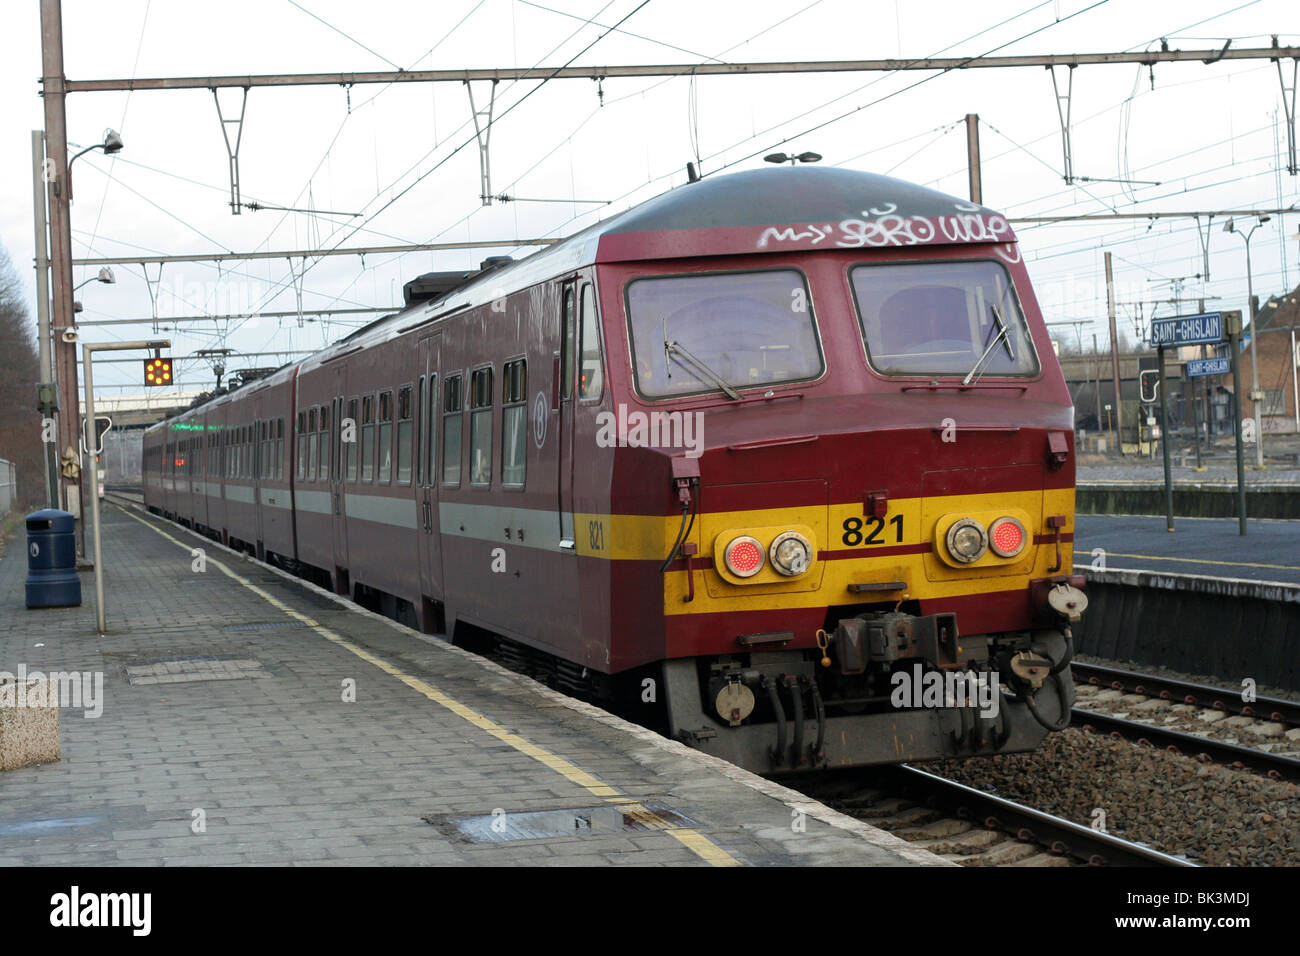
{"x":239,"y":764}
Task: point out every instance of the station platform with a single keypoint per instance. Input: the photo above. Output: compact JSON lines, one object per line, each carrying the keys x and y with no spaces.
{"x":1205,"y":547}
{"x":251,"y":718}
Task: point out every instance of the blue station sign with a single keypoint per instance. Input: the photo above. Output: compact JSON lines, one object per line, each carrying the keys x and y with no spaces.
{"x":1204,"y":329}
{"x":1208,"y":366}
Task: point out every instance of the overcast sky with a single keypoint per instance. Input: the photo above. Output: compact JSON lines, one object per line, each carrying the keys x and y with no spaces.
{"x":1213,"y":136}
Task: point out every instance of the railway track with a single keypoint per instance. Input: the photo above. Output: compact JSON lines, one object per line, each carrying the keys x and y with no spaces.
{"x":1276,"y":766}
{"x":972,"y":827}
{"x":1186,"y":692}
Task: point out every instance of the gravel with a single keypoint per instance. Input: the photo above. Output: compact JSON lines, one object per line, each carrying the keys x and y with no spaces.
{"x":1212,"y":815}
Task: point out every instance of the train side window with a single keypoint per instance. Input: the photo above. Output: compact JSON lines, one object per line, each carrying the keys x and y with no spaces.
{"x":405,"y":424}
{"x":307,"y":441}
{"x":567,"y":345}
{"x":323,"y":443}
{"x":421,"y":432}
{"x":514,"y":423}
{"x":480,"y":427}
{"x":368,"y":438}
{"x":386,"y":437}
{"x":431,"y":442}
{"x":279,"y":449}
{"x":452,"y":426}
{"x":591,"y":378}
{"x":263,"y":450}
{"x":351,"y":446}
{"x":300,"y":467}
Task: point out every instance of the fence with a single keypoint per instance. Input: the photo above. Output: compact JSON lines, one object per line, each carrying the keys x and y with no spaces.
{"x":8,"y":485}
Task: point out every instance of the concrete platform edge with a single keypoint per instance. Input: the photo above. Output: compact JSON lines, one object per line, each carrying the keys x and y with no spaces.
{"x":1279,"y":591}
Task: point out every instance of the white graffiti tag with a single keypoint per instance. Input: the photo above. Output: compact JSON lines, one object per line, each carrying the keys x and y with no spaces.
{"x":887,"y":230}
{"x":974,"y":228}
{"x":789,"y":234}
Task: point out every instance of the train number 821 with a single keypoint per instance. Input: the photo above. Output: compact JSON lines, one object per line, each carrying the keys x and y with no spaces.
{"x":859,"y":531}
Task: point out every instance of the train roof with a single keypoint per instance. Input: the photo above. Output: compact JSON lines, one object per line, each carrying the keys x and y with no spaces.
{"x":778,"y":209}
{"x":761,"y":210}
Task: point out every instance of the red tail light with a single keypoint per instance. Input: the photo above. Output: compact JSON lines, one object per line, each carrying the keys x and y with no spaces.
{"x":1007,"y":537}
{"x":744,"y":556}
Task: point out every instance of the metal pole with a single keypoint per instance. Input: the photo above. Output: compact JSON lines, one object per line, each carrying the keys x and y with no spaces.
{"x":49,"y":454}
{"x":1114,"y":355}
{"x":973,"y":157}
{"x":1164,"y":442}
{"x":1295,"y":382}
{"x":1096,"y":367}
{"x":92,"y":446}
{"x":1196,"y":401}
{"x":1234,"y":337}
{"x":62,"y":315}
{"x":1144,"y":57}
{"x":1254,"y":367}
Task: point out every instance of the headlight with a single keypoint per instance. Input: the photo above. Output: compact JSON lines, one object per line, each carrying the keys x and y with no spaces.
{"x":1007,"y":537}
{"x":967,"y":540}
{"x":790,"y":553}
{"x":744,"y":556}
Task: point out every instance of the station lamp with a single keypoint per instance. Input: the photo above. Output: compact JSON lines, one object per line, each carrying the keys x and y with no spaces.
{"x":792,"y":158}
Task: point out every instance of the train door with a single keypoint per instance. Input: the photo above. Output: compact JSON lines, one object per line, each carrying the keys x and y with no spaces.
{"x":202,"y":470}
{"x":566,"y":365}
{"x":426,"y":470}
{"x":339,"y":457}
{"x":259,"y":465}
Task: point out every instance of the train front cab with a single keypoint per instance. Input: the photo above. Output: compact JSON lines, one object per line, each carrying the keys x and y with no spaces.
{"x":870,"y":548}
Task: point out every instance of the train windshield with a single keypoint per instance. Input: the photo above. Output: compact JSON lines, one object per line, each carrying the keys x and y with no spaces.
{"x":942,"y":318}
{"x":721,"y":332}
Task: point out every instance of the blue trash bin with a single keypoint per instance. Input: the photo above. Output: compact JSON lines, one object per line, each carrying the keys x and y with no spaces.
{"x":52,"y":560}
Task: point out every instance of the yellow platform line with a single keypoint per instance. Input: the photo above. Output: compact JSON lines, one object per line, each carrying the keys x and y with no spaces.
{"x":692,"y":839}
{"x":1226,"y":564}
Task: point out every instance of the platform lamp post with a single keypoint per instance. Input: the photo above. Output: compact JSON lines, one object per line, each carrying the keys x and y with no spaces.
{"x":54,"y":170}
{"x":1255,"y":393}
{"x":92,"y":436}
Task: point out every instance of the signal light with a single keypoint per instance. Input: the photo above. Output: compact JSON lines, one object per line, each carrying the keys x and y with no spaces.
{"x":157,"y":371}
{"x":967,"y":540}
{"x":744,"y":556}
{"x":1007,"y":537}
{"x":791,"y":553}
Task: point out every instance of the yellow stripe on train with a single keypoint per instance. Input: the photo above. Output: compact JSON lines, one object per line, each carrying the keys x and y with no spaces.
{"x":853,"y":547}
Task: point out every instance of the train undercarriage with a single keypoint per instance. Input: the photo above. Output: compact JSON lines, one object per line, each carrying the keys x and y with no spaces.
{"x":886,"y":687}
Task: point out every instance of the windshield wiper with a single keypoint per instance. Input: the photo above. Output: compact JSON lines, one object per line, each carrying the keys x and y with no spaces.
{"x":1004,"y":336}
{"x":700,"y":371}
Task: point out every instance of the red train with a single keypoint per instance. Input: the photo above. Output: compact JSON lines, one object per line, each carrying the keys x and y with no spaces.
{"x":787,"y":451}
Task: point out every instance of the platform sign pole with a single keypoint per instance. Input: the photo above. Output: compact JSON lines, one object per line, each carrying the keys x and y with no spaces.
{"x":93,"y":451}
{"x":1233,"y":323}
{"x":1164,"y":441}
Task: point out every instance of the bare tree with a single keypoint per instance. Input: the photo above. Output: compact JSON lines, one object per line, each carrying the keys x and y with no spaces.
{"x":20,"y":422}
